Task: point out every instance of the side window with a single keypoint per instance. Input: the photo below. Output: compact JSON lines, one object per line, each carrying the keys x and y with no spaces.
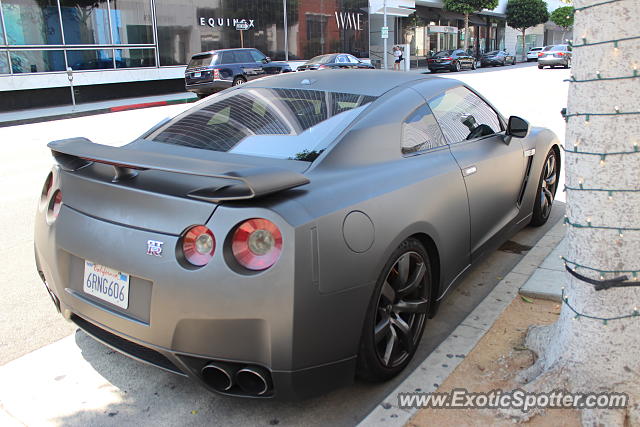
{"x":420,"y":132}
{"x":342,"y":59}
{"x":257,"y":56}
{"x":463,"y":115}
{"x":228,"y":58}
{"x":353,"y":59}
{"x":243,"y":56}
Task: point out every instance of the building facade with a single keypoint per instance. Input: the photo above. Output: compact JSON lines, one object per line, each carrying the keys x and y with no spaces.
{"x":142,"y":46}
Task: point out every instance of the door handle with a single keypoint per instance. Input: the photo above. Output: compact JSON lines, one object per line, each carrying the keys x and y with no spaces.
{"x":469,"y":171}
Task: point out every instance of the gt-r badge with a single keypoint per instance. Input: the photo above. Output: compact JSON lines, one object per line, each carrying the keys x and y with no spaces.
{"x":154,"y":247}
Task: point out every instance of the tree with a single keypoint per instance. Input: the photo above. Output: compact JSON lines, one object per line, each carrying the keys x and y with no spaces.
{"x":579,"y":353}
{"x":563,"y":17}
{"x":523,"y":14}
{"x":467,"y":7}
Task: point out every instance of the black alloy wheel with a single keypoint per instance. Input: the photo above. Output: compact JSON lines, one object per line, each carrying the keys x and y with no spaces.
{"x":397,"y":313}
{"x":457,"y":66}
{"x":473,"y":65}
{"x":546,"y":189}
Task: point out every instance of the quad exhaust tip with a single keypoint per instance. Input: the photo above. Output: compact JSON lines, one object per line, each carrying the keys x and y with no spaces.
{"x":217,"y":377}
{"x":253,"y":380}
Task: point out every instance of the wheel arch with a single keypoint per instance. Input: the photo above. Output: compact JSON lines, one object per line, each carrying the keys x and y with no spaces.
{"x":434,"y":258}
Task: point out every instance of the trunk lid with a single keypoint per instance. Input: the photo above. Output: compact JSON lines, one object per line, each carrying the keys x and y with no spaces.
{"x":156,"y":191}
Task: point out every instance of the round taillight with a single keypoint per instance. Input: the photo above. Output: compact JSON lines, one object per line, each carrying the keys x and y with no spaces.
{"x":198,"y":245}
{"x":55,"y":204}
{"x":256,"y":244}
{"x":46,"y":188}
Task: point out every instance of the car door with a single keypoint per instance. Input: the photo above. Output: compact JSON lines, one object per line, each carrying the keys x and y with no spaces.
{"x":252,"y":69}
{"x":493,"y":167}
{"x":342,"y":61}
{"x":462,"y":57}
{"x":261,"y":60}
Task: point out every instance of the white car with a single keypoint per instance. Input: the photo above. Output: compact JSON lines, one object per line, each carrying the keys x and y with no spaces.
{"x":532,"y":55}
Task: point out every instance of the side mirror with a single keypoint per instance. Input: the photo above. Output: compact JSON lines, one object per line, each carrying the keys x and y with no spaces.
{"x":517,"y":127}
{"x":266,"y":60}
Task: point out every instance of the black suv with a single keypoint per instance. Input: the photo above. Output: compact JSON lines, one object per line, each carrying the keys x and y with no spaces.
{"x":215,"y":70}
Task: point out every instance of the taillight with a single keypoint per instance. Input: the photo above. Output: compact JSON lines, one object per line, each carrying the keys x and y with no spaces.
{"x":540,"y":54}
{"x":46,"y":189}
{"x":256,"y":244}
{"x":54,"y":205}
{"x":198,"y":245}
{"x":447,"y":59}
{"x":559,"y":54}
{"x":216,"y":74}
{"x":323,"y":67}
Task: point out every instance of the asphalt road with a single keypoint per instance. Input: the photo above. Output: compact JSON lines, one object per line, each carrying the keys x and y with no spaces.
{"x":28,"y":320}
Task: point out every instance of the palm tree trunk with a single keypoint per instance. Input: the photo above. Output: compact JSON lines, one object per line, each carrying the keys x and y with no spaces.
{"x":466,"y":31}
{"x":580,"y":353}
{"x":524,"y":44}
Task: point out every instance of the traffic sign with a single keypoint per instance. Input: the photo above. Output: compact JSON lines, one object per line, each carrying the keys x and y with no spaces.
{"x":384,"y":32}
{"x":242,"y":26}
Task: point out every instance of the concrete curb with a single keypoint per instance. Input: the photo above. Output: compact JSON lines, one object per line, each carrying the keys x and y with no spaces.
{"x":96,"y":111}
{"x":451,"y":352}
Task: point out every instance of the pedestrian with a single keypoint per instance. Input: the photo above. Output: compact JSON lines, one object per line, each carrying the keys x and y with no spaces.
{"x":397,"y":53}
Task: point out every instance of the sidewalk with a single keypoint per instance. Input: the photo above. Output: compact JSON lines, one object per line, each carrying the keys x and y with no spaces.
{"x":35,"y":115}
{"x":537,"y":274}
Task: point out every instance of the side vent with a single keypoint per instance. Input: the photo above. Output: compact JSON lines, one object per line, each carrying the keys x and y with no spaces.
{"x":525,"y":180}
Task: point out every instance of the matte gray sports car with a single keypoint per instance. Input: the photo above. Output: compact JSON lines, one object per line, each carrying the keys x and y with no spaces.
{"x":280,"y":237}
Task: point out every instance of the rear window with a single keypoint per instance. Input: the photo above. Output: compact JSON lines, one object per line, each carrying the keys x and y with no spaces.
{"x":203,"y":60}
{"x":321,"y":59}
{"x":290,"y":124}
{"x":443,"y":53}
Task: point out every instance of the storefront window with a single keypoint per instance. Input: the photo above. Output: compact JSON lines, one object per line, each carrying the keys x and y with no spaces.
{"x":186,"y":27}
{"x":31,"y":22}
{"x":90,"y":59}
{"x":37,"y":61}
{"x":319,"y":27}
{"x":135,"y":58}
{"x":4,"y":63}
{"x":131,"y":22}
{"x":85,"y":22}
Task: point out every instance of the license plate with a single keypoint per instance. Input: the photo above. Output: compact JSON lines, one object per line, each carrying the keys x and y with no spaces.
{"x":196,"y":75}
{"x":106,"y":284}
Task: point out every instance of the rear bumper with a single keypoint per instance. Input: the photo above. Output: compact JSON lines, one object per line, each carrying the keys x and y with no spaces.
{"x":440,"y":65}
{"x":180,"y":320}
{"x":208,"y":87}
{"x":552,"y":61}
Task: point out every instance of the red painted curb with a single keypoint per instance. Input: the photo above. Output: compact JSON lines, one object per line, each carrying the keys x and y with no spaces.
{"x":136,"y":106}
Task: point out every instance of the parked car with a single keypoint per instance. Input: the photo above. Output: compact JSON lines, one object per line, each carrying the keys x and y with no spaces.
{"x":277,"y":239}
{"x":497,"y":57}
{"x":532,"y":54}
{"x":452,"y":60}
{"x":334,"y":60}
{"x":215,"y":70}
{"x":552,"y":56}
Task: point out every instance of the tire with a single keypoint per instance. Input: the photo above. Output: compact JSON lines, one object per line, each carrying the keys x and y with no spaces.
{"x":473,"y":65}
{"x":202,"y":95}
{"x":540,"y":67}
{"x":513,"y":62}
{"x":456,"y":67}
{"x":398,"y":311}
{"x":568,"y":63}
{"x":238,"y":81}
{"x":547,"y":186}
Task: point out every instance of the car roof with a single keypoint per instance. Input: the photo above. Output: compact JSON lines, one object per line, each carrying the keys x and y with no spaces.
{"x":210,"y":52}
{"x":360,"y":82}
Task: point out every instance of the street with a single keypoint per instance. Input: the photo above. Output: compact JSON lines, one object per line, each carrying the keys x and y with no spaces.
{"x":53,"y":374}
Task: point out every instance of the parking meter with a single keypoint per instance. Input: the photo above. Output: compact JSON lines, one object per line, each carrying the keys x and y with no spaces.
{"x":70,"y":77}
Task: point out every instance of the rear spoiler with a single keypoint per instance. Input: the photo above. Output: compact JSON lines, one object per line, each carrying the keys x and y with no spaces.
{"x":76,"y":153}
